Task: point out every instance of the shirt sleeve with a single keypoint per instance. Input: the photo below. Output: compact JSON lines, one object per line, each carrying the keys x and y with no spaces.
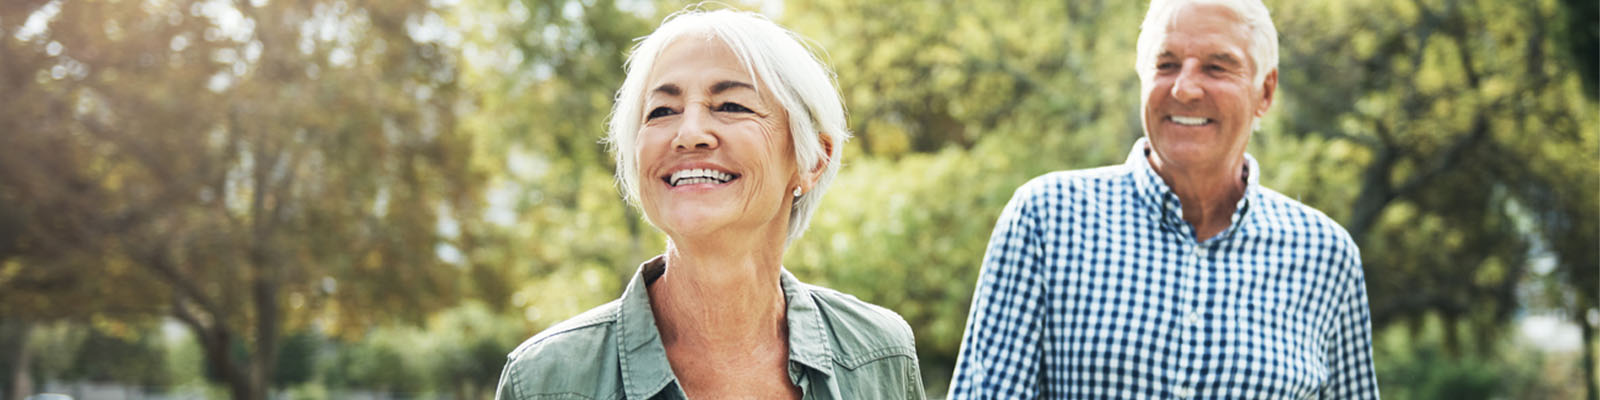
{"x":507,"y":388}
{"x":999,"y":356}
{"x":1350,"y":371}
{"x":914,"y":390}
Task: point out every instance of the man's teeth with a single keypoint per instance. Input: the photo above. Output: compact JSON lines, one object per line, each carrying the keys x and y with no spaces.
{"x":1192,"y":121}
{"x":697,"y":176}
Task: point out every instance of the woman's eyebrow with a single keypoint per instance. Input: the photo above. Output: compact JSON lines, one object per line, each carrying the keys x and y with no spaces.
{"x":668,"y":89}
{"x":725,"y":85}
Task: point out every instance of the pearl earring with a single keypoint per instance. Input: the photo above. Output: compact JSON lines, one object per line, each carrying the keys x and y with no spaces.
{"x":796,"y":191}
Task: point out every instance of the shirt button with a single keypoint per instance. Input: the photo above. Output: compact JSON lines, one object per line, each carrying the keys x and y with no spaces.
{"x":1191,"y":319}
{"x":1184,"y":392}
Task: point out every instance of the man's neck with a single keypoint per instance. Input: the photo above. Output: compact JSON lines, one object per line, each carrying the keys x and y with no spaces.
{"x":1209,"y":194}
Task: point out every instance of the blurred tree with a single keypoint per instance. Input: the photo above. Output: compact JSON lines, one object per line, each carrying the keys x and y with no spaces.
{"x":1437,"y":134}
{"x":1448,"y":125}
{"x":922,"y":76}
{"x":134,"y":359}
{"x":297,"y":359}
{"x":545,"y":72}
{"x":955,"y":106}
{"x":251,"y":167}
{"x":376,"y":364}
{"x":16,"y":367}
{"x":1464,"y":119}
{"x":1582,"y":39}
{"x":246,"y":167}
{"x":465,"y":360}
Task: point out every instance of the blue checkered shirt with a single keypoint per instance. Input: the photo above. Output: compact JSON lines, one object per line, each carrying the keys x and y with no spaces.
{"x":1093,"y":286}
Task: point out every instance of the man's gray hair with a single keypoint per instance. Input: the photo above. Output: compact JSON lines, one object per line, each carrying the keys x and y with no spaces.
{"x":1263,"y":49}
{"x":776,"y":58}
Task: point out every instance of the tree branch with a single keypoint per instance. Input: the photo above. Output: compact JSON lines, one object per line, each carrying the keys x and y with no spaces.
{"x":1449,"y":159}
{"x":162,"y":266}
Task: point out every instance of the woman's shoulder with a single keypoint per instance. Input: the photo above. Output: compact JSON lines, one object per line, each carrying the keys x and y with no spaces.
{"x":862,"y":330}
{"x":567,"y":357}
{"x":584,"y":327}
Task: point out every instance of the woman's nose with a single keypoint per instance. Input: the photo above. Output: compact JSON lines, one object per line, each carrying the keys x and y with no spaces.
{"x":696,"y":131}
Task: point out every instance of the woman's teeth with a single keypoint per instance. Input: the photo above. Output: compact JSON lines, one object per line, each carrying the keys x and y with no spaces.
{"x":697,"y":176}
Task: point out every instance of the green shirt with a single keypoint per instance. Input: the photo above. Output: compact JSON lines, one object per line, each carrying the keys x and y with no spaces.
{"x":839,"y":348}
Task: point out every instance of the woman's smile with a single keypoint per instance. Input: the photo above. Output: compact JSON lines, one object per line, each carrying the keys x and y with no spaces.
{"x":698,"y":178}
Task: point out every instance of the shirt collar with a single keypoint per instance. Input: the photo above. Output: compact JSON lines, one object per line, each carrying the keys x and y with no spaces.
{"x":643,"y":358}
{"x":1154,"y":193}
{"x":640,"y":354}
{"x":809,"y":342}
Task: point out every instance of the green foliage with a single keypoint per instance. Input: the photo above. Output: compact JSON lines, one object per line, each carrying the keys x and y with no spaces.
{"x":297,"y":359}
{"x":544,"y":78}
{"x":136,"y":360}
{"x":1417,"y":362}
{"x":243,"y":167}
{"x":376,"y":364}
{"x":459,"y":351}
{"x":352,"y":171}
{"x":1458,"y":118}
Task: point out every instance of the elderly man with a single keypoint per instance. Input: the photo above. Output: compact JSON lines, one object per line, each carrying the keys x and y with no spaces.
{"x":1175,"y":274}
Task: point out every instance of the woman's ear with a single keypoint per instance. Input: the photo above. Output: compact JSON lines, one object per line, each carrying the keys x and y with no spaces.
{"x":810,"y":178}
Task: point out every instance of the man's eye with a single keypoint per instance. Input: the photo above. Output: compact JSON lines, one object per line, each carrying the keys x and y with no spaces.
{"x":1166,"y":66}
{"x":732,"y":107}
{"x":659,"y":112}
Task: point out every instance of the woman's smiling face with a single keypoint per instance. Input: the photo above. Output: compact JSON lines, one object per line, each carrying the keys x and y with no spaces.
{"x":714,"y":151}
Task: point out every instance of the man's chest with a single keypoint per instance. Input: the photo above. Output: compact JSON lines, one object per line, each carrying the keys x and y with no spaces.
{"x":1146,"y":316}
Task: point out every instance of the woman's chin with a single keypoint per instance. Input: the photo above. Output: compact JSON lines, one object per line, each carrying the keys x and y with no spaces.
{"x":696,"y":224}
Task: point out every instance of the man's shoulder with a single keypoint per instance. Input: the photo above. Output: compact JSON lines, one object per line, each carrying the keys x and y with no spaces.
{"x":567,"y":357}
{"x":863,"y":331}
{"x":1060,"y":184}
{"x":1300,"y":220}
{"x":1108,"y":173}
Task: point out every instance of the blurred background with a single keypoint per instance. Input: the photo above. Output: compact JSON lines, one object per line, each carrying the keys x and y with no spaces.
{"x":374,"y":199}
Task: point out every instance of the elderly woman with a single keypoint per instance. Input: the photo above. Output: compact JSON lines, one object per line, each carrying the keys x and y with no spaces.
{"x":726,"y":132}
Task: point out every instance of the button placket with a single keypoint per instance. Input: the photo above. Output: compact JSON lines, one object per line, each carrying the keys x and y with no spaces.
{"x":1183,"y":392}
{"x":1191,"y":318}
{"x":1188,"y":318}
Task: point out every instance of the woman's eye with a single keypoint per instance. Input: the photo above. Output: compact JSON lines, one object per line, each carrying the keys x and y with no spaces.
{"x":732,"y":107}
{"x":1166,"y":66}
{"x":659,"y":112}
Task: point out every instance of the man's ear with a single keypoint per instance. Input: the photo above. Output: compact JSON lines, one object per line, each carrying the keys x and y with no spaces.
{"x":1269,"y":91}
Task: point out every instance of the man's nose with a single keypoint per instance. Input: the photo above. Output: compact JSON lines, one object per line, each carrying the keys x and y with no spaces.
{"x":1187,"y":87}
{"x":696,"y":131}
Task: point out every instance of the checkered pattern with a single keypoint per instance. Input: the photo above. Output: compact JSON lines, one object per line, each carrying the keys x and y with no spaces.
{"x":1094,"y":287}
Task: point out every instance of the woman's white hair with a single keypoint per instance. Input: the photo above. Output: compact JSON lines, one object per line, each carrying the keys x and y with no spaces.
{"x":776,"y":58}
{"x":1263,"y":49}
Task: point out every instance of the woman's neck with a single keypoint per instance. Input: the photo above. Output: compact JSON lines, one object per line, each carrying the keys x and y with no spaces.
{"x":721,"y":315}
{"x":736,"y":292}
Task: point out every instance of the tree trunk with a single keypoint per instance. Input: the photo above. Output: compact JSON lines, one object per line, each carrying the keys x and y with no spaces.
{"x":21,"y":379}
{"x":265,"y":357}
{"x":216,"y":343}
{"x":1375,"y":194}
{"x":1588,"y":353}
